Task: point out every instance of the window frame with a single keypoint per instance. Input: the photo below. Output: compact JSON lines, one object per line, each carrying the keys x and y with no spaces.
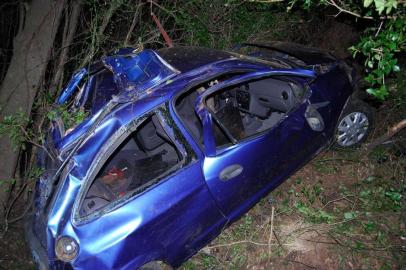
{"x":189,"y":87}
{"x":105,"y":153}
{"x":213,"y":150}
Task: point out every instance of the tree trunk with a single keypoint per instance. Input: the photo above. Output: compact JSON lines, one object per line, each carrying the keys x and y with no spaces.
{"x":71,"y":22}
{"x":31,"y":52}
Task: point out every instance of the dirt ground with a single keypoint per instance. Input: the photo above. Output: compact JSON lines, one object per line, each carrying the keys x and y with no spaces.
{"x":14,"y":253}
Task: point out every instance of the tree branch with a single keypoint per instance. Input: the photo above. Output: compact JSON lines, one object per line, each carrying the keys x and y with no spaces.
{"x":133,"y":23}
{"x":113,"y":7}
{"x":340,"y":9}
{"x":389,"y":134}
{"x":355,"y":14}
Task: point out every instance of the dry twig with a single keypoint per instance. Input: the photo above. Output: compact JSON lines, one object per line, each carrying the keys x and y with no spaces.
{"x":271,"y":233}
{"x":133,"y":23}
{"x":389,"y":134}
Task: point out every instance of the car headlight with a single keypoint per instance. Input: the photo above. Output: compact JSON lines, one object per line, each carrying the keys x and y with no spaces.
{"x":66,"y":248}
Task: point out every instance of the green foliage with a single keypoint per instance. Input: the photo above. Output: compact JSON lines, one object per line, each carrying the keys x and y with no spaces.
{"x":379,"y":52}
{"x":312,"y":214}
{"x":15,"y":127}
{"x":350,"y":215}
{"x":34,"y":173}
{"x":69,"y":117}
{"x":6,"y":183}
{"x":382,"y":5}
{"x":382,"y":40}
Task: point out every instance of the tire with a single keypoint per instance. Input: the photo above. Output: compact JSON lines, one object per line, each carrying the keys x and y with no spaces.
{"x":354,"y":125}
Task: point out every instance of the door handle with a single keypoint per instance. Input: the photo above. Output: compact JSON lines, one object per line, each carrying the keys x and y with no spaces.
{"x":230,"y":172}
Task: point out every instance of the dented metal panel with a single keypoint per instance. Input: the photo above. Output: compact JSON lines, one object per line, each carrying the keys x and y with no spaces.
{"x":72,"y":85}
{"x":139,"y":71}
{"x":173,"y":216}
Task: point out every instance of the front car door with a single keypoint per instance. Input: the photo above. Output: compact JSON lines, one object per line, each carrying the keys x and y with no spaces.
{"x":255,"y":135}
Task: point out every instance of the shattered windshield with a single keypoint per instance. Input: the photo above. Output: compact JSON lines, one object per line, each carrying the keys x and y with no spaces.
{"x":139,"y":71}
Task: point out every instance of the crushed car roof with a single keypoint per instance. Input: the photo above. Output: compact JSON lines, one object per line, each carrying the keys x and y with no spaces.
{"x":187,"y":58}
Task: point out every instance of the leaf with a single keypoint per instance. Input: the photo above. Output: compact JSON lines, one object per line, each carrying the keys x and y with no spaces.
{"x":349,"y":215}
{"x":359,"y":245}
{"x":365,"y":193}
{"x":370,"y":78}
{"x":367,"y":3}
{"x":371,"y":91}
{"x":393,"y":195}
{"x":370,"y":179}
{"x":370,"y":226}
{"x":396,"y":68}
{"x":382,"y":92}
{"x":379,"y":5}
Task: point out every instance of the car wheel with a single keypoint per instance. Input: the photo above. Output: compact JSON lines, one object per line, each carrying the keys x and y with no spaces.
{"x":354,"y":124}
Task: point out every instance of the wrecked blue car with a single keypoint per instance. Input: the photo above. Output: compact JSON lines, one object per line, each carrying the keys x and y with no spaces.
{"x":177,"y":144}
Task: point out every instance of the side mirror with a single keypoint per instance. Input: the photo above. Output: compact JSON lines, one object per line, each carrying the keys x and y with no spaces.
{"x":314,"y":119}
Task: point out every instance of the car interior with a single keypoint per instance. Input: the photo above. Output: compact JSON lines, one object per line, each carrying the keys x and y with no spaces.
{"x":145,"y":156}
{"x":148,"y":153}
{"x":243,"y":110}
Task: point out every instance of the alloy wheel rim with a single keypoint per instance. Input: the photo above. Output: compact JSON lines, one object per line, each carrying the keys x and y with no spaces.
{"x":352,"y":129}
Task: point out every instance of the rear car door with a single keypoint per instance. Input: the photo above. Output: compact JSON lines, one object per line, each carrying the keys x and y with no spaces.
{"x":144,"y":199}
{"x":255,"y":135}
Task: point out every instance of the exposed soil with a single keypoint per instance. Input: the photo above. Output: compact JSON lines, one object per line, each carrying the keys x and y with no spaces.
{"x":14,"y":252}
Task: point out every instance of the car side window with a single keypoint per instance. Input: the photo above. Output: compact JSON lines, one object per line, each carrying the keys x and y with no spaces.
{"x":143,"y":158}
{"x":251,"y":108}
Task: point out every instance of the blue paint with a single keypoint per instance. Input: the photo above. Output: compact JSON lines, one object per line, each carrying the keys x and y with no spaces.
{"x":139,"y":71}
{"x":72,"y":85}
{"x":171,"y":220}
